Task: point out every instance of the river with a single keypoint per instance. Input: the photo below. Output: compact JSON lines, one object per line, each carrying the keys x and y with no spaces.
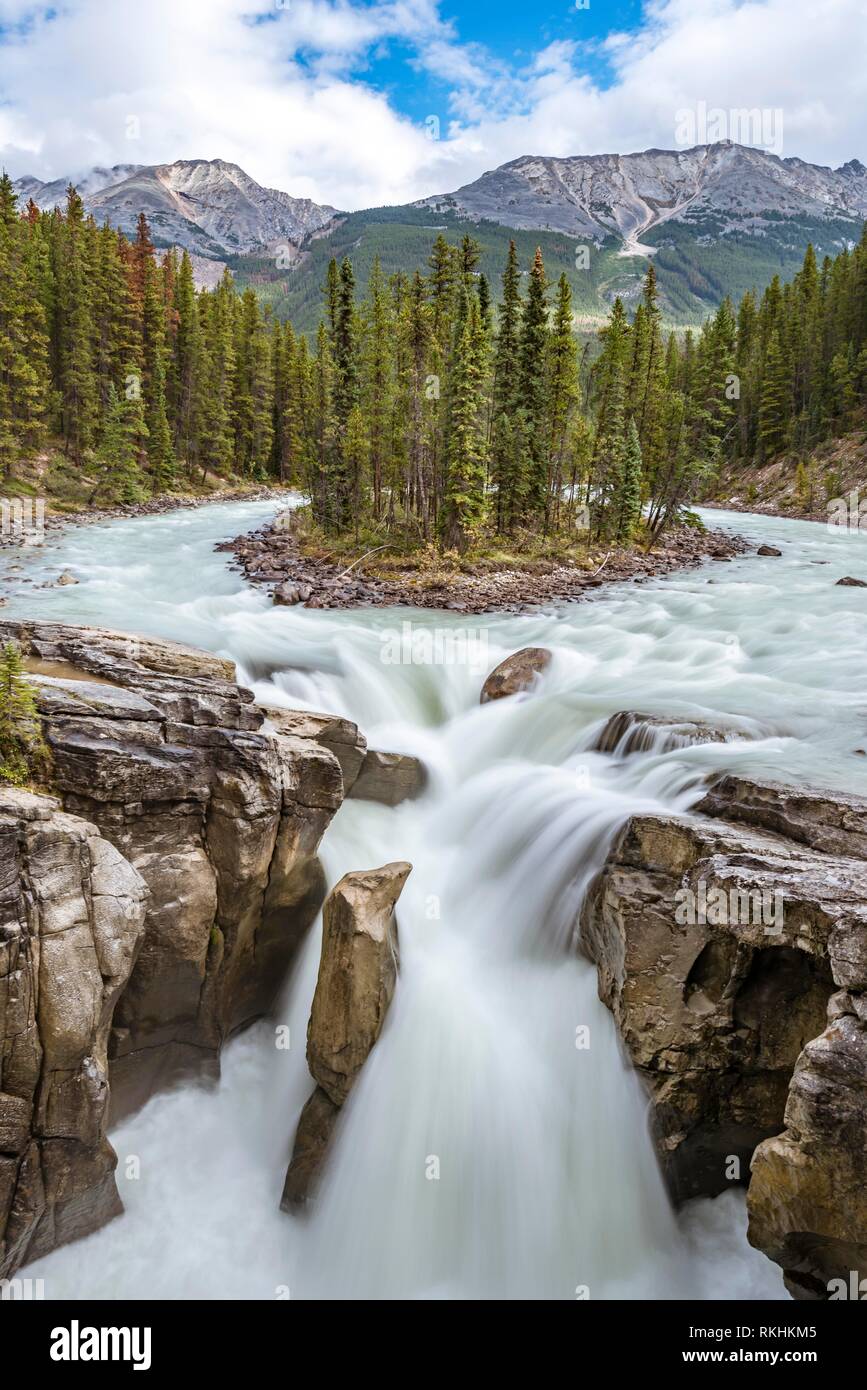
{"x":481,"y":1154}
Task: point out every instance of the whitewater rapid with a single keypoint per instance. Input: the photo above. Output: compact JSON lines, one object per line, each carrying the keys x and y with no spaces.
{"x":481,"y":1153}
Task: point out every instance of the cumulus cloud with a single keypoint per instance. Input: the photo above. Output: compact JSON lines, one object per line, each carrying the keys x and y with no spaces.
{"x":282,"y":90}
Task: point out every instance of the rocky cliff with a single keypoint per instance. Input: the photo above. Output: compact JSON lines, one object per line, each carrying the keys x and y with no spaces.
{"x":731,"y":947}
{"x":219,"y":812}
{"x":72,"y":917}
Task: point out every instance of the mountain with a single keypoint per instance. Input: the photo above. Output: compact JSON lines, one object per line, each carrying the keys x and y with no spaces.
{"x":720,"y":188}
{"x":53,"y":194}
{"x":207,"y":205}
{"x":718,"y":219}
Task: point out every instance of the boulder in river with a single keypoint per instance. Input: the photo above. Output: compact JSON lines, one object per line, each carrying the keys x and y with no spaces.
{"x":519,"y":672}
{"x":629,"y":732}
{"x":848,"y":582}
{"x":357,"y":976}
{"x":768,"y":550}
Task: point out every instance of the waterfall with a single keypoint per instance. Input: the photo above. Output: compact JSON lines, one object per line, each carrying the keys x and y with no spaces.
{"x":495,"y":1145}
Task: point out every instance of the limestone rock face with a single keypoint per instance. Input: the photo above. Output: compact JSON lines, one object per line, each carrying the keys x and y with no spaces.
{"x":167,"y":755}
{"x":389,"y":778}
{"x":833,"y":823}
{"x":808,"y":1195}
{"x":733,"y":955}
{"x":72,"y":914}
{"x":357,"y":976}
{"x":714,"y":1015}
{"x":340,"y":736}
{"x":517,"y":673}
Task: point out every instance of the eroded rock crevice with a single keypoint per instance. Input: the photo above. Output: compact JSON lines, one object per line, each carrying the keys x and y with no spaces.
{"x":731,"y":947}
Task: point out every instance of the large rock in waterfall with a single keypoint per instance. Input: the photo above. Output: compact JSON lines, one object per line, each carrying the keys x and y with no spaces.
{"x":389,"y":778}
{"x":519,"y":672}
{"x":357,"y":975}
{"x":159,"y":747}
{"x":72,"y":916}
{"x":733,"y":955}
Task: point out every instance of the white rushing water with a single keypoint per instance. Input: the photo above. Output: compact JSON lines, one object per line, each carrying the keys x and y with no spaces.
{"x":481,"y":1153}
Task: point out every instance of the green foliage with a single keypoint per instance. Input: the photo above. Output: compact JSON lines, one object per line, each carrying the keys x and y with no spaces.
{"x":23,"y":755}
{"x":420,"y":406}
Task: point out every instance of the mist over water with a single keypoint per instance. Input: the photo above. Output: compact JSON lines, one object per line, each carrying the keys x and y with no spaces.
{"x":547,"y":1180}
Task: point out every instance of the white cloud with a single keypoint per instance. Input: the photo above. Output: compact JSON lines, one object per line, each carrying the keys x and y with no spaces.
{"x":282,"y":98}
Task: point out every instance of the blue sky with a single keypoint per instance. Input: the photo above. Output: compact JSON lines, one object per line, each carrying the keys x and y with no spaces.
{"x":330,"y":99}
{"x":512,"y":33}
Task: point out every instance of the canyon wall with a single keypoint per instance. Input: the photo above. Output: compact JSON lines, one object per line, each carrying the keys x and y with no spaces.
{"x":731,"y":947}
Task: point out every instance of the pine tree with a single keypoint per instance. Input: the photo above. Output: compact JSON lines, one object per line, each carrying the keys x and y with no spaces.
{"x":774,"y":403}
{"x":345,"y":395}
{"x":253,"y":401}
{"x":465,"y":504}
{"x":187,"y":365}
{"x":159,"y":438}
{"x":323,"y":444}
{"x":505,"y":454}
{"x":78,"y":387}
{"x":627,"y":499}
{"x":611,"y":377}
{"x":215,"y":381}
{"x":561,"y":393}
{"x":122,"y":448}
{"x":533,"y":485}
{"x":377,"y":385}
{"x":23,"y":339}
{"x":415,"y":411}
